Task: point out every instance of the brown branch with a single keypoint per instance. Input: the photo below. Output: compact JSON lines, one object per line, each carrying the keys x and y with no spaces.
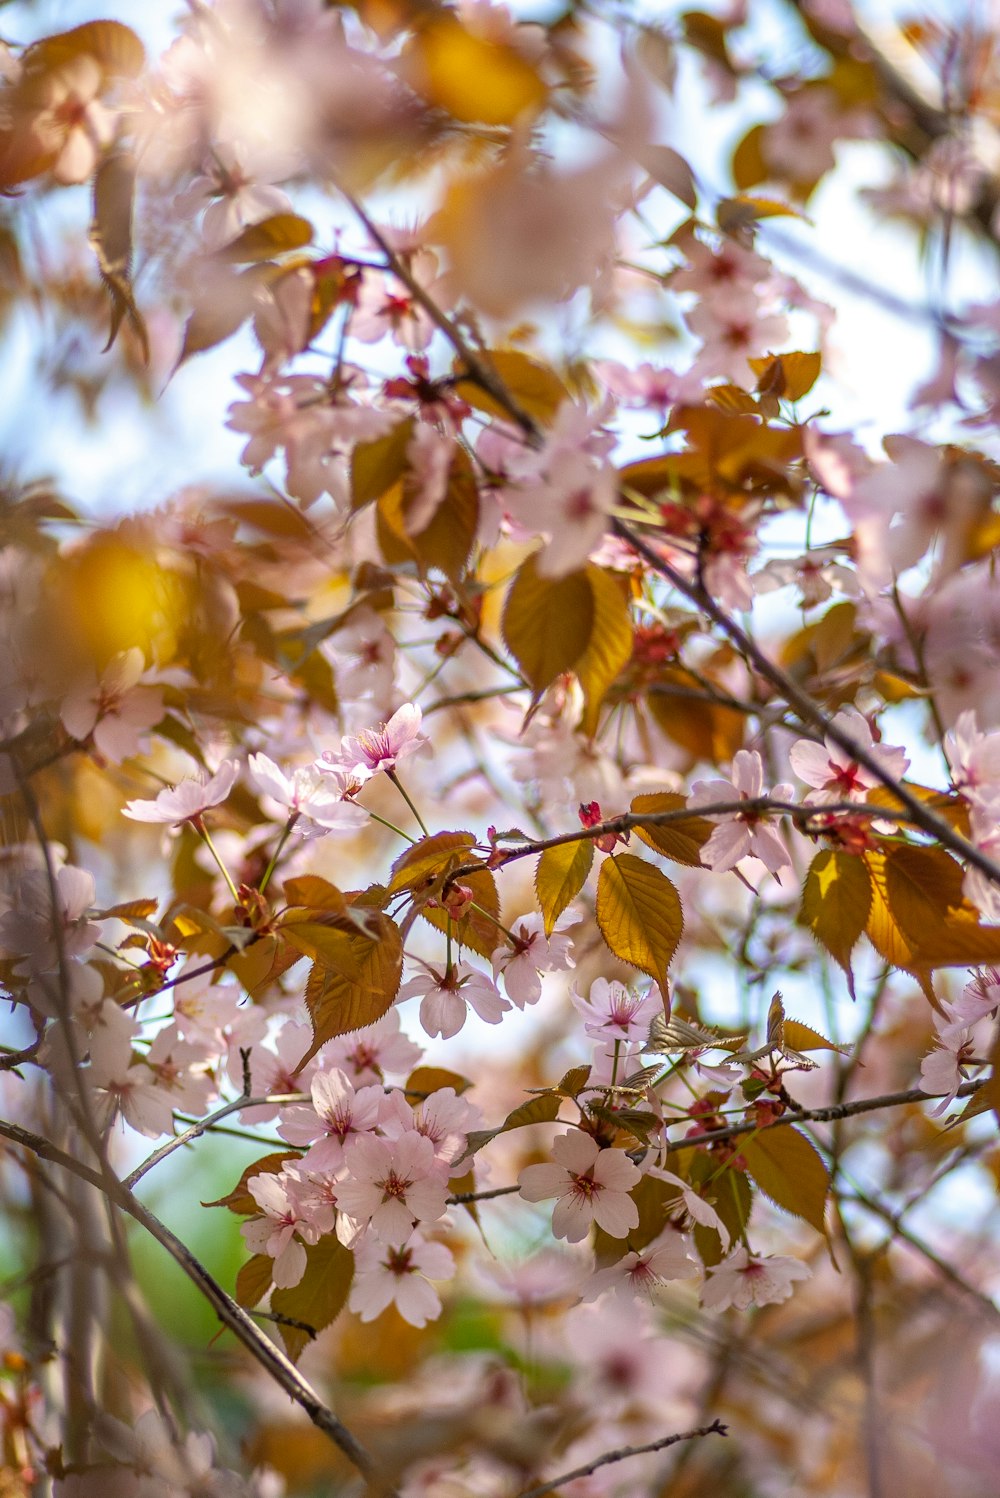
{"x":622,"y":1454}
{"x":232,"y":1315}
{"x":202,"y":1127}
{"x":807,"y":709}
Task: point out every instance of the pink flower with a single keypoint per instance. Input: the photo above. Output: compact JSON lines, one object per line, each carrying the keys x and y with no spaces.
{"x":643,"y":1273}
{"x":277,"y":1233}
{"x":374,"y":1053}
{"x":115,"y":711}
{"x":126,"y":1089}
{"x":614,"y":1012}
{"x":974,"y":759}
{"x":386,"y":1274}
{"x":365,"y":754}
{"x":445,"y":998}
{"x":743,"y":1280}
{"x":941,"y":1071}
{"x":696,"y":1207}
{"x":338,"y":1113}
{"x":187,"y":800}
{"x":444,"y":1118}
{"x":316,"y":800}
{"x":391,"y":1184}
{"x":532,"y":954}
{"x":832,"y":770}
{"x":592,"y":1186}
{"x":741,"y":834}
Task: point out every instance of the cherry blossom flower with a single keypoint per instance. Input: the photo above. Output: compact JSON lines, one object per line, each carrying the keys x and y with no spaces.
{"x":26,"y":929}
{"x":283,"y":1229}
{"x":274,"y":1068}
{"x":124,"y":1087}
{"x":532,"y":954}
{"x":816,"y":575}
{"x":363,"y":656}
{"x":744,"y":1279}
{"x":956,"y":1045}
{"x":181,"y":1069}
{"x":339,"y":1112}
{"x":741,"y":834}
{"x":378,"y":749}
{"x":391,"y":1184}
{"x":445,"y":998}
{"x":73,"y":124}
{"x":399,"y":1274}
{"x":641,"y":1273}
{"x":695,"y":1205}
{"x":592,"y":1186}
{"x":832,"y":770}
{"x":974,"y":759}
{"x":387,"y":307}
{"x":375,"y":1053}
{"x":188,"y":800}
{"x":444,"y":1118}
{"x":315,"y":800}
{"x":233,"y":197}
{"x":115,"y":711}
{"x":614,"y":1012}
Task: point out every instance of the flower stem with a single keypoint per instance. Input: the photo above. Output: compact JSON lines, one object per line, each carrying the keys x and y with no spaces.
{"x":391,"y":826}
{"x":283,"y":839}
{"x":399,"y":786}
{"x":206,"y":838}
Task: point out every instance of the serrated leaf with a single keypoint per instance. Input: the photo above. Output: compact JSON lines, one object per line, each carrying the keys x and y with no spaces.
{"x":319,"y":1296}
{"x":445,"y":542}
{"x":681,"y":841}
{"x":422,"y":869}
{"x":609,"y":647}
{"x":333,"y":949}
{"x":253,"y":1281}
{"x":547,"y":623}
{"x":262,"y":964}
{"x":376,"y":466}
{"x":219,"y":313}
{"x":561,"y":874}
{"x":535,"y":387}
{"x":800,"y":1037}
{"x":427,"y":861}
{"x":572,"y":1083}
{"x":639,"y":914}
{"x":836,"y":903}
{"x":130,"y":909}
{"x":268,"y":237}
{"x":733,"y":215}
{"x":790,"y":1171}
{"x":314,"y":893}
{"x":541,"y":1109}
{"x":338,"y":1004}
{"x":787,"y":376}
{"x":239,"y":1199}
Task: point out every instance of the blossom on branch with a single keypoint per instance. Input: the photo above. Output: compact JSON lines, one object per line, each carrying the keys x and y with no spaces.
{"x":188,"y":800}
{"x":592,"y":1185}
{"x":741,"y":834}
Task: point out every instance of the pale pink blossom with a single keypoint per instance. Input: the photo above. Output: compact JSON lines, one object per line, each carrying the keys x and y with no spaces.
{"x":282,"y":1230}
{"x":231,"y":197}
{"x":737,"y":834}
{"x":696,"y":1207}
{"x":731,"y":336}
{"x":979,"y":998}
{"x":374,"y":1054}
{"x":834,"y":773}
{"x":125,"y":1087}
{"x":973,"y":757}
{"x":314,"y":800}
{"x":275,"y":1068}
{"x":73,"y":123}
{"x":27,"y":929}
{"x":181,"y":1069}
{"x":188,"y":800}
{"x":386,"y":1274}
{"x":744,"y":1279}
{"x":799,"y":146}
{"x":363,"y":656}
{"x":816,"y":575}
{"x":532,"y":954}
{"x":941,"y":1071}
{"x":641,"y":1273}
{"x":592,"y":1185}
{"x":446,"y":998}
{"x":390,"y":1184}
{"x":339,"y":1112}
{"x":444,"y":1118}
{"x":614,"y":1012}
{"x":387,"y":307}
{"x":378,"y":749}
{"x":115,"y":711}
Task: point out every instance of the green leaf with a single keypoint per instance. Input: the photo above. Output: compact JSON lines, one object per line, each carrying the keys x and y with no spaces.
{"x":319,"y":1296}
{"x":338,"y":1003}
{"x":681,"y":841}
{"x":639,"y":914}
{"x":561,"y":874}
{"x":609,"y":648}
{"x":547,"y":623}
{"x":836,"y":903}
{"x":271,"y":236}
{"x":789,"y":1170}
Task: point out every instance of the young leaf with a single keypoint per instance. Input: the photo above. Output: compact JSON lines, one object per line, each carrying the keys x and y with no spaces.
{"x":639,"y":914}
{"x":427,"y":1080}
{"x":270,"y":236}
{"x":561,"y":874}
{"x":253,"y":1280}
{"x":682,"y":840}
{"x":536,"y":388}
{"x":111,"y":239}
{"x":320,"y":1294}
{"x":836,"y":903}
{"x":610,"y":645}
{"x":338,"y":1004}
{"x":239,"y":1199}
{"x":547,"y":623}
{"x":788,"y":1169}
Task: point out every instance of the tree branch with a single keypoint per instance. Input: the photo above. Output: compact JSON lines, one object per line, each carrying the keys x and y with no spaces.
{"x":622,"y":1454}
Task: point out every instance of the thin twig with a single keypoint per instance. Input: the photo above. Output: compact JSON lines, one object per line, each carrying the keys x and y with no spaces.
{"x":203,"y":1126}
{"x":622,"y":1454}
